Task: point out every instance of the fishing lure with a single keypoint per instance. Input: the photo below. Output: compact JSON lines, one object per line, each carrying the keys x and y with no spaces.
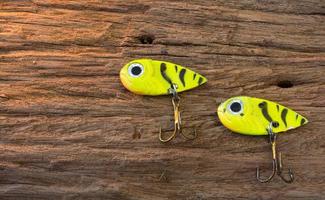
{"x":153,"y":77}
{"x":254,"y":116}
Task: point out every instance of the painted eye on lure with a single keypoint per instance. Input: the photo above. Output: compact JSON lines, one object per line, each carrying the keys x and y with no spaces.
{"x":254,"y":116}
{"x":135,"y":70}
{"x":235,"y":107}
{"x":153,"y":77}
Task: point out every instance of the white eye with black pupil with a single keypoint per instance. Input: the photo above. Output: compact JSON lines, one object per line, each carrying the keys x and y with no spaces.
{"x":235,"y":107}
{"x":135,"y":70}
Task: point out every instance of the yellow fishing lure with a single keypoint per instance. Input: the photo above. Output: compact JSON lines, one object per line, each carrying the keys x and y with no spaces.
{"x":252,"y":116}
{"x":153,"y":77}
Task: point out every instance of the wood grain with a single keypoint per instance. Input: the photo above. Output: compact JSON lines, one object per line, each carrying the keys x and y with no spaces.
{"x":70,"y":130}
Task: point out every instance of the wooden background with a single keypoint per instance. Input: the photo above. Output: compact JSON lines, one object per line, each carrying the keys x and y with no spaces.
{"x":70,"y":130}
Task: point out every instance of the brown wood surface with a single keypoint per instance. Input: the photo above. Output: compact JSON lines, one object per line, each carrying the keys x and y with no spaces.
{"x":70,"y":130}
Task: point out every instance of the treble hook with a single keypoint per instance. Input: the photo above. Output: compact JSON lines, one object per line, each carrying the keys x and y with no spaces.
{"x":276,"y":161}
{"x":177,"y":118}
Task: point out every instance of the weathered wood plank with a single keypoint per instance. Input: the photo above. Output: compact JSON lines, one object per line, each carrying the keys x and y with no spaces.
{"x":69,"y":130}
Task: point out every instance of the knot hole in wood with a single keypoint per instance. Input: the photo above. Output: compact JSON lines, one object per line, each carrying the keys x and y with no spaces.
{"x":146,"y":39}
{"x":285,"y":84}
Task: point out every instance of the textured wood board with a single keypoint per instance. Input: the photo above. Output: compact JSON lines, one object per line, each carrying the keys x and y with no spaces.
{"x":69,"y":130}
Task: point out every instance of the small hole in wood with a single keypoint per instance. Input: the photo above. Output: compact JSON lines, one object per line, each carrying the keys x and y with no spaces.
{"x":146,"y":39}
{"x":285,"y":84}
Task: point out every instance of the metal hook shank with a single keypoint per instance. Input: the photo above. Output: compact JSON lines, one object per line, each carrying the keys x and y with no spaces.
{"x":276,"y":162}
{"x":177,"y":118}
{"x":177,"y":121}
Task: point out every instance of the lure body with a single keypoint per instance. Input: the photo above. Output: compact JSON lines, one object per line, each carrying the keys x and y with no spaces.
{"x":153,"y":77}
{"x":252,"y":116}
